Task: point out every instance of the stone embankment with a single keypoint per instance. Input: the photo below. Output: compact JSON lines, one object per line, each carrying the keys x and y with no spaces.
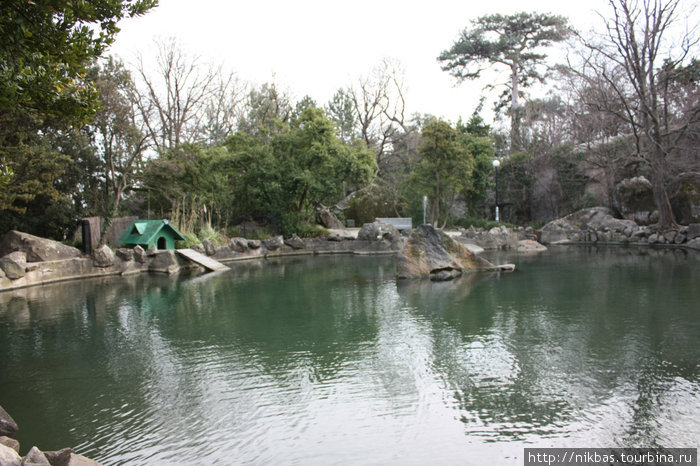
{"x":598,"y":225}
{"x":9,"y":450}
{"x":519,"y":239}
{"x":27,"y":260}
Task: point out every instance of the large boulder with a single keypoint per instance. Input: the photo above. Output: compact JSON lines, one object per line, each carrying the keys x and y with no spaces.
{"x":432,"y":253}
{"x":560,"y":231}
{"x":80,"y":460}
{"x":381,"y":231}
{"x":103,"y":256}
{"x":224,"y":253}
{"x":8,"y":426}
{"x":59,"y":457}
{"x":9,"y":457}
{"x":238,"y":244}
{"x":165,"y":262}
{"x":35,"y":457}
{"x":684,"y":195}
{"x":37,"y":249}
{"x":529,"y":246}
{"x":10,"y":443}
{"x":596,"y":221}
{"x":209,"y":247}
{"x":125,"y":254}
{"x":328,"y":219}
{"x":14,"y":265}
{"x":140,"y":255}
{"x":295,"y":242}
{"x":633,"y":198}
{"x":495,"y":238}
{"x":693,"y":231}
{"x":273,"y":243}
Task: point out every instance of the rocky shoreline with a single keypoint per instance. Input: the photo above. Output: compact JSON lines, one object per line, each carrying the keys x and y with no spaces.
{"x":27,"y":260}
{"x":9,"y":450}
{"x":596,"y":225}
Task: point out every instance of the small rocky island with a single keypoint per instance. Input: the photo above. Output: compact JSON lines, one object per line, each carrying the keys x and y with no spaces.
{"x":432,"y":253}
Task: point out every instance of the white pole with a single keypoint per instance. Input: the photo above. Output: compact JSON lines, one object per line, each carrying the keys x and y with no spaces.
{"x":425,"y":204}
{"x":496,"y":164}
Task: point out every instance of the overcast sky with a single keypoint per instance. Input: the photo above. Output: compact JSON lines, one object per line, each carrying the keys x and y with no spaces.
{"x":317,"y":46}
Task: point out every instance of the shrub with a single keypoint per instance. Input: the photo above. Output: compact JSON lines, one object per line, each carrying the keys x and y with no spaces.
{"x":207,"y":232}
{"x":190,"y":240}
{"x":307,"y":230}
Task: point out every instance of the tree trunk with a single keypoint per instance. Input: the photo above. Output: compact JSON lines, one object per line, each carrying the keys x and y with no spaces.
{"x":514,"y":110}
{"x":436,"y":213}
{"x":111,"y":214}
{"x":663,"y":204}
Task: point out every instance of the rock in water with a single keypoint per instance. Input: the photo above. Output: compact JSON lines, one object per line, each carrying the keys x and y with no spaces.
{"x":8,"y":426}
{"x":381,"y":231}
{"x":430,"y":252}
{"x":35,"y":457}
{"x":9,"y":457}
{"x":59,"y":457}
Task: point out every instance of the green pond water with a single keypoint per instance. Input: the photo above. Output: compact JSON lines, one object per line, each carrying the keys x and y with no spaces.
{"x":330,"y":360}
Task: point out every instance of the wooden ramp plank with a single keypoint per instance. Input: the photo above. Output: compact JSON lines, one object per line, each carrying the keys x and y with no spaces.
{"x":205,"y":261}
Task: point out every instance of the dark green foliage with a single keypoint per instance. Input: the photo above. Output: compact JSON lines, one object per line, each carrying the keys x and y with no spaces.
{"x":49,"y":172}
{"x":37,"y":167}
{"x":510,"y":40}
{"x":281,"y":179}
{"x":364,"y":209}
{"x":341,"y":110}
{"x":569,"y":173}
{"x":192,"y":186}
{"x":269,"y":110}
{"x":46,"y":48}
{"x":515,"y":182}
{"x":275,"y":177}
{"x":513,"y":42}
{"x":443,"y":171}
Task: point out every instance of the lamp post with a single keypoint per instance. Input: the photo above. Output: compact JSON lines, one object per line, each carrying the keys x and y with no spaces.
{"x":496,"y":164}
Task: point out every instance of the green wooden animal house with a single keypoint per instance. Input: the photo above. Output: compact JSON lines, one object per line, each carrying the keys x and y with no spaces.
{"x":150,"y":233}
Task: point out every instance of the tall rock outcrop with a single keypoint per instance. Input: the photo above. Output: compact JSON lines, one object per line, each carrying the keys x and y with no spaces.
{"x":432,"y":253}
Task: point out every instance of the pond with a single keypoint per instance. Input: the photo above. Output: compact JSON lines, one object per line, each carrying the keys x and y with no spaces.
{"x":330,"y":360}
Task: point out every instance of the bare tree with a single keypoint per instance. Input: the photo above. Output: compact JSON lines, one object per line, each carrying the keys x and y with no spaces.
{"x":631,"y":62}
{"x":380,"y":107}
{"x":223,"y":109}
{"x":119,"y":136}
{"x":174,"y":102}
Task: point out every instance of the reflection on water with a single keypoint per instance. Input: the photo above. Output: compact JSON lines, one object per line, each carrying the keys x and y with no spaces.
{"x":330,"y":360}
